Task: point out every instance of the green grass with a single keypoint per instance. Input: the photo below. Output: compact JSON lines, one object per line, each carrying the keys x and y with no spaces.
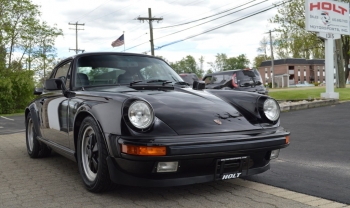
{"x":14,"y":114}
{"x":306,"y":93}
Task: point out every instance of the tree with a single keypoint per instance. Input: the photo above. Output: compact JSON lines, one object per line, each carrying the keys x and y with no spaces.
{"x":220,"y":62}
{"x":201,"y":64}
{"x":242,"y":61}
{"x":259,"y":59}
{"x":292,"y":37}
{"x":263,"y":44}
{"x":187,"y":65}
{"x":24,"y":41}
{"x":295,"y":41}
{"x":22,"y":32}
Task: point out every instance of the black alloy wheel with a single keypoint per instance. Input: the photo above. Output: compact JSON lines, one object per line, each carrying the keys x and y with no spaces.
{"x":35,"y":148}
{"x":91,"y":155}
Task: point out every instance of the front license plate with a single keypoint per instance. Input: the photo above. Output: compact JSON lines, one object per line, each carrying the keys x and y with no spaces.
{"x":230,"y":176}
{"x":229,"y":168}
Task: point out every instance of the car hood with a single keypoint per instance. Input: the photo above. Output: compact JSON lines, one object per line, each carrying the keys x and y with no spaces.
{"x":189,"y":111}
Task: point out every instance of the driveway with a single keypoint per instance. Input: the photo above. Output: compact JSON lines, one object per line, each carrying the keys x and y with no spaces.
{"x":55,"y":182}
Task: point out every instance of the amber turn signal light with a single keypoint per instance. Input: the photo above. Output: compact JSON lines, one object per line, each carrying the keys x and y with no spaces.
{"x":287,"y":139}
{"x":143,"y":150}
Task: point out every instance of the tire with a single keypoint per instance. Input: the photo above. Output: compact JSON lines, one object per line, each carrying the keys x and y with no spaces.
{"x":91,"y":155}
{"x":35,"y":148}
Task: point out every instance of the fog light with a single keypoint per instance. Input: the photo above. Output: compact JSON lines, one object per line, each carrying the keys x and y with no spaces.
{"x":274,"y":154}
{"x":167,"y":167}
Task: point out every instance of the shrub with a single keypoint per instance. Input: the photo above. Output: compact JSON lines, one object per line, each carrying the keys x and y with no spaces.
{"x":16,"y":90}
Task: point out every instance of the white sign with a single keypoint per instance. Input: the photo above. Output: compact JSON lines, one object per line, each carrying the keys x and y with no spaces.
{"x":327,"y":16}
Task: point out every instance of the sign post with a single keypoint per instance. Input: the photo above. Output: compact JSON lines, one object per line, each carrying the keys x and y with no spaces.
{"x":330,"y":19}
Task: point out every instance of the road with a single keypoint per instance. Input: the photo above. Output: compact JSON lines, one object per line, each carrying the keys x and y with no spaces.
{"x":317,"y":162}
{"x":11,"y":124}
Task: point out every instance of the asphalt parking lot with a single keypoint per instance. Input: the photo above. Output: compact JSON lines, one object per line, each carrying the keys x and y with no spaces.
{"x":55,"y":182}
{"x":317,"y":159}
{"x":11,"y":124}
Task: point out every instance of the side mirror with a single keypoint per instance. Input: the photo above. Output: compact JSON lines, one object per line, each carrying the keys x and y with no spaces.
{"x":53,"y":84}
{"x":38,"y":91}
{"x":57,"y":84}
{"x":198,"y":85}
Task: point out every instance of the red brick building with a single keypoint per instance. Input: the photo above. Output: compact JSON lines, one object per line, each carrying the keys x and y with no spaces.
{"x":292,"y":71}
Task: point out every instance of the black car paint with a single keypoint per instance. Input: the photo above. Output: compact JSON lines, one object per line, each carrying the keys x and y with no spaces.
{"x":237,"y":111}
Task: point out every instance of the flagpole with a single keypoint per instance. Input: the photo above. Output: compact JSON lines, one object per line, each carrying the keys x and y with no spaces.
{"x":124,"y":41}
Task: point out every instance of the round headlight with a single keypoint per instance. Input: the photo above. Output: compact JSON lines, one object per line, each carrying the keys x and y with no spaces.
{"x":271,"y":109}
{"x":140,"y":114}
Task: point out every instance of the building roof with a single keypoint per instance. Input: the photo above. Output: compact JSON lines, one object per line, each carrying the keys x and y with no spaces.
{"x":293,"y":61}
{"x":316,"y":61}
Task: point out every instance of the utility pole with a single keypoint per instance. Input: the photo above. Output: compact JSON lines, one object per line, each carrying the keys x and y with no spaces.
{"x":76,"y":37}
{"x":340,"y":64}
{"x":272,"y":61}
{"x":150,"y":19}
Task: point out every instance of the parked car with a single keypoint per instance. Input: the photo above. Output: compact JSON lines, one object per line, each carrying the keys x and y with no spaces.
{"x":241,"y":79}
{"x":130,"y":119}
{"x":189,"y":77}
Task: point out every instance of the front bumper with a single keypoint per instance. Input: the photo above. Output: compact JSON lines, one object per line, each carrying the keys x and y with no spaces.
{"x":197,"y":155}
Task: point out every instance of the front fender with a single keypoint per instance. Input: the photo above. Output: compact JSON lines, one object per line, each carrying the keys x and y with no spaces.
{"x":35,"y":117}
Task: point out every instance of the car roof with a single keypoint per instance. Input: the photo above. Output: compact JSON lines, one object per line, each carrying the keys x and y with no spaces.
{"x":187,"y":74}
{"x":107,"y":53}
{"x":223,"y":72}
{"x":226,"y":72}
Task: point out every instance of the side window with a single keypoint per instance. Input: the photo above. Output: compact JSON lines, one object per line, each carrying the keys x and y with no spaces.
{"x":62,"y":73}
{"x":227,"y":77}
{"x":207,"y":80}
{"x":217,"y":79}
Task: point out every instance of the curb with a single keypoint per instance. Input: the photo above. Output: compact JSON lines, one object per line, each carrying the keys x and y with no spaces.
{"x":305,"y":105}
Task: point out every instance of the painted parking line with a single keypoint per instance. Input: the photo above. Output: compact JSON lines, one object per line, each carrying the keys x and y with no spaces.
{"x":1,"y":127}
{"x":7,"y":118}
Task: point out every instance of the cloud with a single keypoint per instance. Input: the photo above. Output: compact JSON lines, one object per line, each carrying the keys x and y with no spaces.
{"x":106,"y":20}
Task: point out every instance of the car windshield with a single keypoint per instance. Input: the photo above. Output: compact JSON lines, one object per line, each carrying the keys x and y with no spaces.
{"x":249,"y":77}
{"x":101,"y":70}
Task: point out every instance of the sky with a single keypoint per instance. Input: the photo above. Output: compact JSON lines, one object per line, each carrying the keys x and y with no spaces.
{"x":106,"y":20}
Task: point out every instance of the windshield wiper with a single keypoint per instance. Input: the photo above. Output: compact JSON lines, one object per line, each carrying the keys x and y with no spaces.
{"x":134,"y":82}
{"x":160,"y":80}
{"x":182,"y":83}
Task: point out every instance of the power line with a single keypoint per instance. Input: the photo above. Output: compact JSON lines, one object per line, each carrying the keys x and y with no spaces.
{"x":162,"y":14}
{"x":215,"y":28}
{"x":205,"y":17}
{"x":138,"y":37}
{"x":91,"y":11}
{"x":122,"y":8}
{"x":136,"y":46}
{"x":211,"y":20}
{"x":197,"y":1}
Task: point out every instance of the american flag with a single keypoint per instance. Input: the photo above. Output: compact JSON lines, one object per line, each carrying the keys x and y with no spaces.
{"x":119,"y":41}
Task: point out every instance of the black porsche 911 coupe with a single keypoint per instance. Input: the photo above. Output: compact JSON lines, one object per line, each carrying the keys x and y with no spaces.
{"x":130,"y":119}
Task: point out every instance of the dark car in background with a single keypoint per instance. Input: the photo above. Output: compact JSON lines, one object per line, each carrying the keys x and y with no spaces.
{"x":189,"y":77}
{"x":130,"y":119}
{"x":241,"y":79}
